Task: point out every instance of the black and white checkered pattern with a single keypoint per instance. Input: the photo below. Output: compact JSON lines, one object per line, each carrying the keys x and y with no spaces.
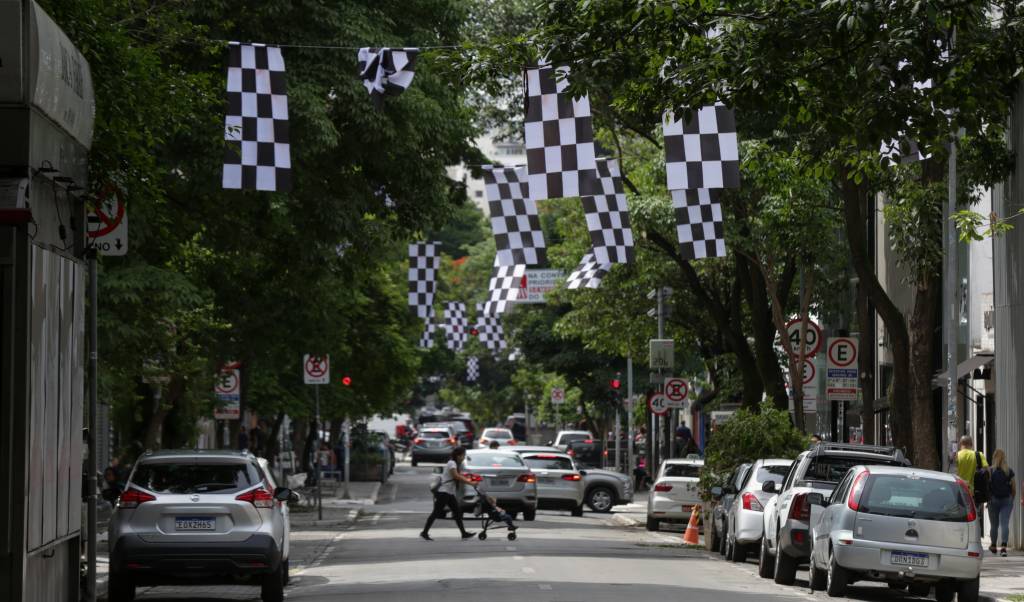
{"x":456,"y":325}
{"x":607,"y":214}
{"x":588,"y":274}
{"x":429,"y":328}
{"x":514,"y":221}
{"x":704,"y":152}
{"x":503,"y":288}
{"x":424,"y":261}
{"x":472,"y":369}
{"x":699,"y":225}
{"x":560,"y":154}
{"x":386,"y":71}
{"x":258,"y":152}
{"x":489,"y":330}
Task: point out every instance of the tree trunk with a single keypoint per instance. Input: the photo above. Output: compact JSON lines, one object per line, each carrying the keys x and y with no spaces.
{"x":866,"y":365}
{"x":755,"y":291}
{"x":922,"y":353}
{"x":163,"y":403}
{"x":272,"y":445}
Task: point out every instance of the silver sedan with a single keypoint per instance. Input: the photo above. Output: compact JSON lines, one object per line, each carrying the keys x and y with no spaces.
{"x":504,"y":476}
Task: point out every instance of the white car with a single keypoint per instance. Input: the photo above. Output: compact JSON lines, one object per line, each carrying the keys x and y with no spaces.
{"x":502,"y":436}
{"x":564,"y":437}
{"x":745,"y":519}
{"x":560,"y":483}
{"x":675,"y":492}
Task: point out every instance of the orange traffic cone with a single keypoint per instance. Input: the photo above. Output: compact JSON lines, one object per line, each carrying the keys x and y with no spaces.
{"x":692,"y":536}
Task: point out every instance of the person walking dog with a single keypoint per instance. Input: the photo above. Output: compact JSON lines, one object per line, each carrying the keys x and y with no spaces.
{"x":445,"y":494}
{"x":1003,"y":490}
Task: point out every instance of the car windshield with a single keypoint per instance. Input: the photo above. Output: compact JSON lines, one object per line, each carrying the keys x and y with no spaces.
{"x":434,"y":435}
{"x":567,"y":437}
{"x":830,"y":469}
{"x":195,"y":478}
{"x":549,"y":462}
{"x":912,"y":496}
{"x":494,"y":461}
{"x":681,"y":470}
{"x":771,"y":473}
{"x":497,"y":434}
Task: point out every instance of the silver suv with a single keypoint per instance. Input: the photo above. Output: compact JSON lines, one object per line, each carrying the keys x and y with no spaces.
{"x":197,"y":515}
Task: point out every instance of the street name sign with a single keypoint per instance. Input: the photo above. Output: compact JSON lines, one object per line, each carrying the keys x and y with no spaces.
{"x":658,"y":404}
{"x":812,"y":338}
{"x":841,"y":370}
{"x":662,"y":354}
{"x":316,"y":370}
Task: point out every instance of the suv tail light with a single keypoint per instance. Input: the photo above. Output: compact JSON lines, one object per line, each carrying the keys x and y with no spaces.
{"x":972,"y":510}
{"x":527,"y":478}
{"x":260,"y":497}
{"x":662,"y":487}
{"x":853,"y":502}
{"x":750,"y":502}
{"x":800,"y":508}
{"x":570,"y":453}
{"x":131,"y":498}
{"x":473,"y":477}
{"x":452,"y":440}
{"x":571,"y":477}
{"x":418,"y":441}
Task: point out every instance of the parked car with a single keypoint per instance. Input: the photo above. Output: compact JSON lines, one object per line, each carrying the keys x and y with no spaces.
{"x":504,"y":476}
{"x":559,"y":481}
{"x":501,"y":435}
{"x":745,"y":519}
{"x":433,"y":444}
{"x":564,"y":437}
{"x":200,"y":514}
{"x":904,"y":526}
{"x":788,"y":517}
{"x":723,"y":501}
{"x":674,"y":493}
{"x":603,"y":489}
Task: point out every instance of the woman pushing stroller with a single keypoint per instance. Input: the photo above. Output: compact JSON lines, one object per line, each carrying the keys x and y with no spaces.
{"x":445,"y":494}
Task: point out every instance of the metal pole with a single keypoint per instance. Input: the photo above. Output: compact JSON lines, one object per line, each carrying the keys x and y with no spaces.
{"x":90,"y":479}
{"x":629,"y":415}
{"x":316,"y":458}
{"x":661,"y":382}
{"x":348,"y":449}
{"x":948,"y":424}
{"x":618,"y":440}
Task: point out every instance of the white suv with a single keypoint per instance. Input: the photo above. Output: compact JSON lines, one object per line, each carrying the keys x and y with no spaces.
{"x":214,"y":516}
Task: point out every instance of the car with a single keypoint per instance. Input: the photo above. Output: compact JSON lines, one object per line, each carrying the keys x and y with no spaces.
{"x":745,"y":519}
{"x":433,"y":444}
{"x":560,"y":483}
{"x":603,"y":489}
{"x":464,"y":435}
{"x":564,"y":437}
{"x":191,"y":515}
{"x":504,"y":476}
{"x":723,"y":497}
{"x":502,"y":435}
{"x":675,"y":492}
{"x":589,"y":453}
{"x":788,"y":517}
{"x":905,"y":526}
{"x":467,"y":434}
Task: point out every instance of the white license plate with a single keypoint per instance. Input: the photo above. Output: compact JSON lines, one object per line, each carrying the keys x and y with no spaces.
{"x":546,"y":480}
{"x":194,"y":523}
{"x":908,"y":558}
{"x":500,"y":482}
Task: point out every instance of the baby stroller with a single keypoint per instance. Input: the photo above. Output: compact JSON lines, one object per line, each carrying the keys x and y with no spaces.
{"x":491,"y":517}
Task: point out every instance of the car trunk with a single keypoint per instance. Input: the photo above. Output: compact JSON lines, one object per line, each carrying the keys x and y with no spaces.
{"x":180,"y":518}
{"x":907,"y":509}
{"x":499,"y":480}
{"x":684,"y":489}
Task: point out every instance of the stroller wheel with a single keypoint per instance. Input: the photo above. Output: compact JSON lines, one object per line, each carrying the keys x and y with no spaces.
{"x":512,"y":536}
{"x":482,"y":536}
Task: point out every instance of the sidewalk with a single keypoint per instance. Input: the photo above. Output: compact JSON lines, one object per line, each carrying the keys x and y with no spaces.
{"x":336,"y":509}
{"x":1002,"y":577}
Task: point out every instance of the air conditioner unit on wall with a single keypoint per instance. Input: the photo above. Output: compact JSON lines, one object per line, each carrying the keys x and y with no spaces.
{"x":14,"y":205}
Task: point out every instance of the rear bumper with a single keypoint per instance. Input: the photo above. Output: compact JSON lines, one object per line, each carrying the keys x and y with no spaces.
{"x":749,"y":526}
{"x":873,"y":560}
{"x":795,"y":540}
{"x":554,"y":503}
{"x":147,"y":562}
{"x":663,"y":508}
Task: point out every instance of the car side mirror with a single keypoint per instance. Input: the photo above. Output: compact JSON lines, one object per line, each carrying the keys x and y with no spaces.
{"x":282,"y":494}
{"x":815,"y":499}
{"x":583,"y":473}
{"x":716,"y":492}
{"x":769,"y":487}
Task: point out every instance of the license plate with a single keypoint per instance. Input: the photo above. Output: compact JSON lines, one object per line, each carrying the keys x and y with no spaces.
{"x":500,"y":482}
{"x":547,"y":480}
{"x":194,"y":523}
{"x":908,"y":558}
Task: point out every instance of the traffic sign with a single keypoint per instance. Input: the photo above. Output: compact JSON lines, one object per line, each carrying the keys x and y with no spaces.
{"x":557,"y":396}
{"x":316,"y":369}
{"x":676,"y":391}
{"x":662,"y":354}
{"x":658,"y":404}
{"x":809,"y":372}
{"x":228,"y":391}
{"x":107,"y":223}
{"x":841,"y":371}
{"x":812,"y":338}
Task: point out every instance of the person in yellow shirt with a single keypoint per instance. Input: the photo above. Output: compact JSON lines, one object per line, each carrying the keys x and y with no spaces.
{"x":967,"y":461}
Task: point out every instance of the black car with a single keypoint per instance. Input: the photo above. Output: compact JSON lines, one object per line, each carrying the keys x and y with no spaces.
{"x":589,"y":453}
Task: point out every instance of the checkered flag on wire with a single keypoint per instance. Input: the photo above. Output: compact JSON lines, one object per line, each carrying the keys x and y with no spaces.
{"x":588,"y":274}
{"x":703,"y":152}
{"x":503,"y":288}
{"x":699,"y":225}
{"x":429,"y":328}
{"x":424,"y":262}
{"x":386,"y":71}
{"x":258,"y":151}
{"x":560,"y":154}
{"x":456,"y":325}
{"x":607,"y":214}
{"x":514,"y":221}
{"x":490,"y":331}
{"x":472,"y":369}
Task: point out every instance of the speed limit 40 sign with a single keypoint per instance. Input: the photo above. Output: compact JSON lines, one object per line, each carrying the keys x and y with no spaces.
{"x":812,"y":338}
{"x":658,"y":404}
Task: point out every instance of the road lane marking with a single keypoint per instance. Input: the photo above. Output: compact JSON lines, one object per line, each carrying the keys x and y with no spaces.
{"x":544,"y":587}
{"x":528,"y":570}
{"x":518,"y":558}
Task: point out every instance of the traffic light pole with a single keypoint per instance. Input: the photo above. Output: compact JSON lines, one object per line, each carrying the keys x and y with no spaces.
{"x":316,"y":458}
{"x":348,"y":452}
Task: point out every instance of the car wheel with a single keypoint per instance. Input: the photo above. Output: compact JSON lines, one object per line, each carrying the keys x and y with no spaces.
{"x":529,"y":515}
{"x":785,"y":568}
{"x":919,"y":589}
{"x":600,"y":499}
{"x":765,"y":561}
{"x":285,"y":573}
{"x":739,"y":552}
{"x":578,"y":510}
{"x":721,"y":542}
{"x":715,"y":537}
{"x":836,"y":580}
{"x":967,"y":590}
{"x":272,"y":586}
{"x":945,"y":591}
{"x":120,"y":589}
{"x":816,"y":577}
{"x":415,"y":462}
{"x":652,"y":524}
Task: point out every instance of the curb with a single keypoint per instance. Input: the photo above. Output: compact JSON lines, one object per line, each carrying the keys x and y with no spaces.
{"x":624,"y":521}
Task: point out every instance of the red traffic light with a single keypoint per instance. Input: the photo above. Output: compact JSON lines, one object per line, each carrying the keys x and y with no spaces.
{"x":615,"y":382}
{"x":346,"y":380}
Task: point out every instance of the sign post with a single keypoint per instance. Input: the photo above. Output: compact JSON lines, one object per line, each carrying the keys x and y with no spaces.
{"x":676,"y":392}
{"x":841,"y":373}
{"x":812,"y":338}
{"x":316,"y":371}
{"x":227,"y":390}
{"x":662,"y":356}
{"x":107,"y":223}
{"x":557,"y":396}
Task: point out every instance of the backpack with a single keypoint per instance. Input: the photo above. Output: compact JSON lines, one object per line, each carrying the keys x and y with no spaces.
{"x":981,"y":481}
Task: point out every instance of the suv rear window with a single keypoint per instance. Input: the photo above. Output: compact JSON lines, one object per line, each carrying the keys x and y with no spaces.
{"x":494,"y":460}
{"x":831,"y":469}
{"x":914,"y":497}
{"x":184,"y":477}
{"x":567,"y":437}
{"x":775,"y":473}
{"x":682,"y":470}
{"x":549,"y":462}
{"x":434,"y":435}
{"x":497,"y":434}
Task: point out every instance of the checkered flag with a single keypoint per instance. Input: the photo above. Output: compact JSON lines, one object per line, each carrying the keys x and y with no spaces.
{"x":424,"y":261}
{"x":504,"y":287}
{"x":472,"y":369}
{"x":258,"y":153}
{"x":588,"y":273}
{"x":703,"y":152}
{"x":456,"y":325}
{"x":560,"y":155}
{"x":386,"y":71}
{"x":699,"y":225}
{"x":607,"y":215}
{"x":429,"y":328}
{"x":490,"y":331}
{"x":514,"y":221}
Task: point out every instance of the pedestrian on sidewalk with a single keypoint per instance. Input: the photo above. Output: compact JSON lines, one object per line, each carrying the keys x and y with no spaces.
{"x":1003,"y":489}
{"x":445,"y":495}
{"x":968,"y":463}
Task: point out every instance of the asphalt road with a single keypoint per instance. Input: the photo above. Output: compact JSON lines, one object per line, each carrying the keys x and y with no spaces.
{"x":556,"y":558}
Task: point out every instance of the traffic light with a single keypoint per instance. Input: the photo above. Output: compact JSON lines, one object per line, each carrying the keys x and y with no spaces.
{"x":346,"y":380}
{"x":616,"y":381}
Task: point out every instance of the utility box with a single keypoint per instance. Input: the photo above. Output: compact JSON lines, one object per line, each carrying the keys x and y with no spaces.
{"x":47,"y":111}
